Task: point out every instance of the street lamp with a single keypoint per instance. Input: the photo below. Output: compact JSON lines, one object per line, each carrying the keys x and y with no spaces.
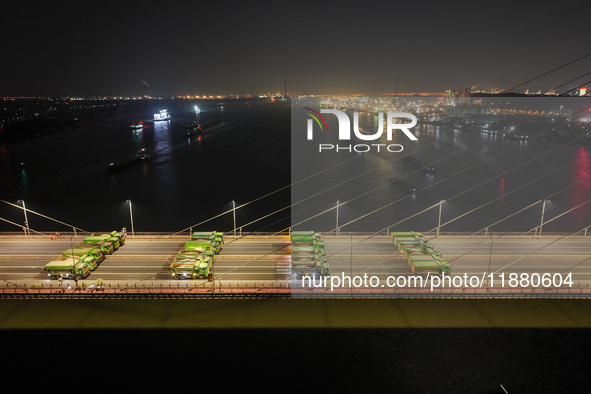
{"x":28,"y":230}
{"x":234,"y":215}
{"x":336,"y":230}
{"x":542,"y":220}
{"x":439,"y":222}
{"x":489,"y":261}
{"x":131,"y":216}
{"x":351,"y":259}
{"x":72,"y":249}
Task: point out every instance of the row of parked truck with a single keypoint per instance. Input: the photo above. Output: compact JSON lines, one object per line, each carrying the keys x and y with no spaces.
{"x":308,"y":256}
{"x":420,"y":255}
{"x":79,"y":261}
{"x":196,"y":259}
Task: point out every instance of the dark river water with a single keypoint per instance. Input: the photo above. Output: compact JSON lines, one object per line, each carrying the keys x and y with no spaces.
{"x":244,"y":154}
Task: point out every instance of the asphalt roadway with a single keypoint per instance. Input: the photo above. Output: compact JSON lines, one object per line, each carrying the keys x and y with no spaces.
{"x":264,"y":261}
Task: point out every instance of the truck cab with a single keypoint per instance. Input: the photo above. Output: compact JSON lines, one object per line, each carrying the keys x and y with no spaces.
{"x":120,"y":234}
{"x":219,"y":237}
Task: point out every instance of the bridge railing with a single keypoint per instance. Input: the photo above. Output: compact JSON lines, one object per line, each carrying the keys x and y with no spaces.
{"x":283,"y":288}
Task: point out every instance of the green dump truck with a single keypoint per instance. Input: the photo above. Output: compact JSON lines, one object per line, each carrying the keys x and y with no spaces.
{"x":308,"y":256}
{"x":219,"y":237}
{"x":305,"y":237}
{"x":216,"y":239}
{"x":424,"y":248}
{"x":106,"y":247}
{"x":400,"y":241}
{"x":316,"y":242}
{"x":94,"y":238}
{"x":70,"y":267}
{"x":196,"y":252}
{"x":422,"y":258}
{"x":405,"y":234}
{"x":405,"y":243}
{"x":93,"y":251}
{"x":120,"y":234}
{"x":203,"y":245}
{"x":191,"y":267}
{"x":424,"y":264}
{"x":310,"y":248}
{"x":202,"y":235}
{"x":309,"y":267}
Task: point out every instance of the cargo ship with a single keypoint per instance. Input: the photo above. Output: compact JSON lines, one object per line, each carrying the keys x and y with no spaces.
{"x":142,"y":156}
{"x":163,"y":115}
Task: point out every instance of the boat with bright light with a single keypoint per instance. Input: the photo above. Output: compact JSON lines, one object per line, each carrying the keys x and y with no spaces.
{"x":163,"y":115}
{"x":136,"y":126}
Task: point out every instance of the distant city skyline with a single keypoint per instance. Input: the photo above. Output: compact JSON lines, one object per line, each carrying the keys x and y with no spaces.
{"x":178,"y":48}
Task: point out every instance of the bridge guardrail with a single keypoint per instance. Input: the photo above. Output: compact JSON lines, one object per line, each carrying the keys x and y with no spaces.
{"x":284,"y":289}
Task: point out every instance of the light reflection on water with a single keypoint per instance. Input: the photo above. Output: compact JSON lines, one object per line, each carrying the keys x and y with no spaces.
{"x":580,"y":192}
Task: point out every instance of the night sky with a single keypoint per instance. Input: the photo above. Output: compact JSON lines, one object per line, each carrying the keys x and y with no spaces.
{"x":237,"y":47}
